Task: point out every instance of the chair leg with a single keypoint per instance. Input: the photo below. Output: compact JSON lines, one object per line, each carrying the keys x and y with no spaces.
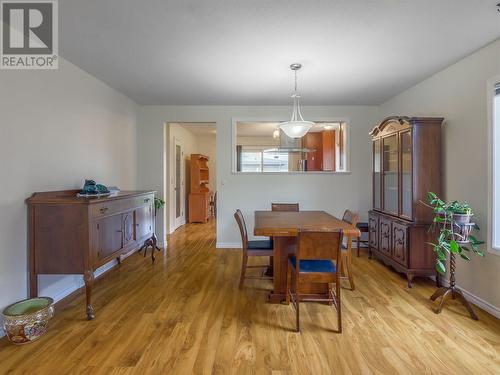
{"x":288,"y":283}
{"x":243,"y":270}
{"x":339,"y":309}
{"x":349,"y":267}
{"x":297,"y":311}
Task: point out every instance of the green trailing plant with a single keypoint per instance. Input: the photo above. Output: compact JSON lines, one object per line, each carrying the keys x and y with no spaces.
{"x":454,"y":238}
{"x":159,"y":204}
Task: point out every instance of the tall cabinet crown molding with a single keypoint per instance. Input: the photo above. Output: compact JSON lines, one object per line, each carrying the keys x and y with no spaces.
{"x":406,"y":164}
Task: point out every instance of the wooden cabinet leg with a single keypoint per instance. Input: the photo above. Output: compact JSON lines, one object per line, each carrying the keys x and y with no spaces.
{"x":410,"y":276}
{"x":88,"y":278}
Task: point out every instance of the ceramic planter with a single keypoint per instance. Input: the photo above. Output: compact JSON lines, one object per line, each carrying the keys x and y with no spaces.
{"x":26,"y":321}
{"x":461,"y":219}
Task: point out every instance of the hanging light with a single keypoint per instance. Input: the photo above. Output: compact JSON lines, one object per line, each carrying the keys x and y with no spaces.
{"x":297,"y":127}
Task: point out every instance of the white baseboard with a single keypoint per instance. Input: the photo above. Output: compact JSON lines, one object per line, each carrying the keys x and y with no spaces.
{"x":479,"y":302}
{"x":228,"y":245}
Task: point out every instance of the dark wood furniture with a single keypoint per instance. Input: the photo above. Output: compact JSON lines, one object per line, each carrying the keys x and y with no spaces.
{"x":363,"y":228}
{"x":317,"y":260}
{"x":70,"y":235}
{"x":285,"y":207}
{"x":284,"y":228}
{"x":199,"y":194}
{"x":260,"y":248}
{"x":406,"y":166}
{"x":346,"y":268}
{"x":323,"y":156}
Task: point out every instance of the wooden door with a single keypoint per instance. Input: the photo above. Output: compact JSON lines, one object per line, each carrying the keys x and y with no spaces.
{"x":128,"y":228}
{"x":143,"y":222}
{"x":328,"y":147}
{"x":110,"y":235}
{"x":385,"y":236}
{"x":373,"y":231}
{"x":400,"y":243}
{"x":313,"y":141}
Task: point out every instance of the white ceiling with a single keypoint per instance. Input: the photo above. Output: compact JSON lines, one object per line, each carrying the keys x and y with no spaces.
{"x":237,"y":52}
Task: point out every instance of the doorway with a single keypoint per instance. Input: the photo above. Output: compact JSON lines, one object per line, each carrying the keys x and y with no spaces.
{"x":179,"y":184}
{"x":189,"y":187}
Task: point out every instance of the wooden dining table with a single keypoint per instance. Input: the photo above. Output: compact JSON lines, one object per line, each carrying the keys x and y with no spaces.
{"x":284,"y":227}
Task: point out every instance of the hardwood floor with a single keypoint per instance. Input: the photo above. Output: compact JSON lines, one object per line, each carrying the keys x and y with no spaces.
{"x":185,"y":315}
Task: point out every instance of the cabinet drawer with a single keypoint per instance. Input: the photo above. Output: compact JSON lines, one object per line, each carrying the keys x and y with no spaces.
{"x":373,"y":231}
{"x":400,"y":243}
{"x":120,"y":205}
{"x":385,"y":236}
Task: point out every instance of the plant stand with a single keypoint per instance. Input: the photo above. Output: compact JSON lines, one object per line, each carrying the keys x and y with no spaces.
{"x":453,"y":291}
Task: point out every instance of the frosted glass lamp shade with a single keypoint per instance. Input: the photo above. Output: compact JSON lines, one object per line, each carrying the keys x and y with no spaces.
{"x":296,"y":129}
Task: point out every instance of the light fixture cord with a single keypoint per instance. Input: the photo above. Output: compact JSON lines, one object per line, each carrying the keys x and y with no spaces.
{"x":295,"y":80}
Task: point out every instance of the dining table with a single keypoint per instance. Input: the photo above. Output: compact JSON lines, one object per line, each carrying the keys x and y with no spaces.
{"x":284,"y":228}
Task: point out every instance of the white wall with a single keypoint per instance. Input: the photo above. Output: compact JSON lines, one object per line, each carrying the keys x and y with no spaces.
{"x":330,"y":192}
{"x":57,"y":128}
{"x":459,"y":93}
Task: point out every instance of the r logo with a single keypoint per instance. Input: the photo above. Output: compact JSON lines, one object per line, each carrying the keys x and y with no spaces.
{"x":27,"y":28}
{"x":29,"y":34}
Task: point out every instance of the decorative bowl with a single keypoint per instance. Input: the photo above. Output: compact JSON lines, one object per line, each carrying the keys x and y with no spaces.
{"x":26,"y":321}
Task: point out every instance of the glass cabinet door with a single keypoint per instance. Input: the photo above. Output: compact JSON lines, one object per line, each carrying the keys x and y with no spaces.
{"x":377,"y":169}
{"x":406,"y":174}
{"x":391,"y":166}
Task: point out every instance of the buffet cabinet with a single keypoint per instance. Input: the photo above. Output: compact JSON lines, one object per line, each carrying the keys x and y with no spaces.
{"x":70,"y":235}
{"x":406,"y":165}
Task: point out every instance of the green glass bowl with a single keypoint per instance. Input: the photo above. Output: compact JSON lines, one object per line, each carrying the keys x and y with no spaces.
{"x":26,"y":321}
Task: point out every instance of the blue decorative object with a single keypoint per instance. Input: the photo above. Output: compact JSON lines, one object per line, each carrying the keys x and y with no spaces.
{"x":92,"y":189}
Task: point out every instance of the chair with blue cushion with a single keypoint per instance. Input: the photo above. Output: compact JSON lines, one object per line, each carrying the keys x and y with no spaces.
{"x":256,"y":248}
{"x":317,"y":260}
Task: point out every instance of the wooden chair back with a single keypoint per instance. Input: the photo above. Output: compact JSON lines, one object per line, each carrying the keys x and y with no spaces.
{"x":319,"y":245}
{"x":240,"y":220}
{"x":291,"y":207}
{"x":351,"y":217}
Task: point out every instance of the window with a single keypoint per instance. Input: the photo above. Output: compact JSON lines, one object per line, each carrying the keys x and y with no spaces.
{"x":267,"y":160}
{"x":495,"y":225}
{"x":262,"y":147}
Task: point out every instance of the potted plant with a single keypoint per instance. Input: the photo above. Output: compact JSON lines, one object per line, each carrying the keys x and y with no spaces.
{"x":455,"y":227}
{"x":159,"y":204}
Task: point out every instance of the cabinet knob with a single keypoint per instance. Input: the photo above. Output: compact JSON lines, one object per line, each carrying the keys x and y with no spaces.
{"x":103,"y":210}
{"x":147,"y":200}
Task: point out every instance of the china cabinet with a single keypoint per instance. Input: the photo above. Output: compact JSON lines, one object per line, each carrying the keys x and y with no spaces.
{"x":406,"y":166}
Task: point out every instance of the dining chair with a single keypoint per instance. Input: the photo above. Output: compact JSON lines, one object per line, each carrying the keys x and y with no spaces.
{"x":351,"y":218}
{"x":255,"y":248}
{"x":293,"y":207}
{"x":317,"y":260}
{"x":363,"y":228}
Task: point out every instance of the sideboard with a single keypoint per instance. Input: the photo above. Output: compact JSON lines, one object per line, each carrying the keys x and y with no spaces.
{"x":70,"y":235}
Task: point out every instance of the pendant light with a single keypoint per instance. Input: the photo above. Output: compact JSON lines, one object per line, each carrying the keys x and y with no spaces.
{"x":297,"y":127}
